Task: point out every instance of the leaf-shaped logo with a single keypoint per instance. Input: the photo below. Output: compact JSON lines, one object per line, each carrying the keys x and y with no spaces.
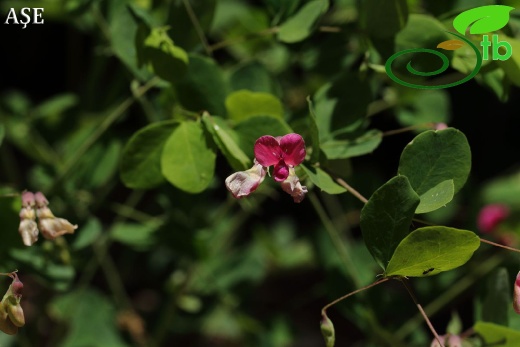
{"x":483,"y":19}
{"x":451,"y":45}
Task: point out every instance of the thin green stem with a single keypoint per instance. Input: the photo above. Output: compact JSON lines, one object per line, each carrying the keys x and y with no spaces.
{"x":351,"y":190}
{"x":451,"y":293}
{"x":410,"y":128}
{"x":338,"y":243}
{"x":499,"y":245}
{"x":118,"y":112}
{"x":196,"y":24}
{"x":423,"y":314}
{"x":329,"y":305}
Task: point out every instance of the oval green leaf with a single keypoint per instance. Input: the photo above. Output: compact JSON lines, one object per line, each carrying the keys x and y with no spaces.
{"x":434,"y":157}
{"x":187,"y":161}
{"x":430,"y":250}
{"x":226,"y":140}
{"x":483,"y":19}
{"x":141,"y":159}
{"x":386,"y":218}
{"x":436,"y":197}
{"x":323,"y":180}
{"x":244,"y":104}
{"x":299,"y":26}
{"x":203,"y":86}
{"x":343,"y":149}
{"x":497,"y":335}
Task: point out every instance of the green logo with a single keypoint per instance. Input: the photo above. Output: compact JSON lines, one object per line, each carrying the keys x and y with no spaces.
{"x":480,"y":21}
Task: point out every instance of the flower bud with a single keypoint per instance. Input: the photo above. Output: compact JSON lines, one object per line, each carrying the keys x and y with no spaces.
{"x":243,"y":183}
{"x":293,"y":186}
{"x":50,"y":226}
{"x":490,"y":216}
{"x":327,"y":330}
{"x":516,"y":294}
{"x":6,"y":325}
{"x":11,"y":313}
{"x":28,"y":228}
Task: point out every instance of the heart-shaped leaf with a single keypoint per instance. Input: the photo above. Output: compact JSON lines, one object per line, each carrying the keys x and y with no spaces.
{"x":430,"y":250}
{"x":483,"y":19}
{"x":386,"y":218}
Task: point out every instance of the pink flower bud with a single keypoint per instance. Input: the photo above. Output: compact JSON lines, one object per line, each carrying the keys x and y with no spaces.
{"x":243,"y":183}
{"x":50,"y":226}
{"x":516,"y":294}
{"x":28,"y":228}
{"x":293,"y":186}
{"x":440,"y":126}
{"x":28,"y":199}
{"x":327,"y":330}
{"x":490,"y":216}
{"x":448,"y":340}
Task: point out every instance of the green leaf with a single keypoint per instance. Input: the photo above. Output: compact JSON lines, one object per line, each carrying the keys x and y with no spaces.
{"x":91,"y":319}
{"x":323,"y":180}
{"x":141,"y":160}
{"x":299,"y":26}
{"x":343,"y":149}
{"x":123,"y":28}
{"x":383,"y":18}
{"x":227,"y":140}
{"x":430,"y":250}
{"x":187,"y":161}
{"x":436,"y":197}
{"x":90,"y":232}
{"x":511,"y":66}
{"x":497,"y":303}
{"x":255,"y":77}
{"x":2,"y":133}
{"x":251,"y":129}
{"x":497,"y":335}
{"x":503,"y":190}
{"x":482,"y":19}
{"x":244,"y":104}
{"x":433,"y":157}
{"x":203,"y":87}
{"x":138,"y":236}
{"x":341,"y":105}
{"x":158,"y":53}
{"x":423,"y":106}
{"x":314,"y":133}
{"x":386,"y":218}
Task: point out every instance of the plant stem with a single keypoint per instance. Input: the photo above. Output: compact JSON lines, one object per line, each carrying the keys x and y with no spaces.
{"x":499,"y":245}
{"x":326,"y":307}
{"x":340,"y":246}
{"x":425,"y":316}
{"x":406,"y":129}
{"x":196,"y":24}
{"x":351,"y":190}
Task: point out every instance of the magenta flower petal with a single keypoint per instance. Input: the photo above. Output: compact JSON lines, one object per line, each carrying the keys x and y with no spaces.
{"x":516,"y":294}
{"x":268,"y":151}
{"x":490,"y":216}
{"x":293,"y":147}
{"x":281,"y":171}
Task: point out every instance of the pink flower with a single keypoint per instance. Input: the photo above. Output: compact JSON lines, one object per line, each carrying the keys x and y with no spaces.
{"x":516,"y":294}
{"x":282,"y":152}
{"x":28,"y":228}
{"x":243,"y":183}
{"x":50,"y":226}
{"x":448,"y":340}
{"x":293,"y":186}
{"x":490,"y":216}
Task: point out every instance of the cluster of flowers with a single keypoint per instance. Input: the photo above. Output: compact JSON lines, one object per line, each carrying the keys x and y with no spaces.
{"x":284,"y":153}
{"x":50,"y":226}
{"x":11,"y":313}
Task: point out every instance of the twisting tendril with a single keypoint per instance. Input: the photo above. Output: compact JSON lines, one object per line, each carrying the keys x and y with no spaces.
{"x":444,"y":67}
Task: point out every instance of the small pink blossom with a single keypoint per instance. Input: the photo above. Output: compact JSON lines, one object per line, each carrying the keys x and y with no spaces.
{"x":293,"y":187}
{"x":448,"y":340}
{"x":490,"y":216}
{"x":516,"y":294}
{"x":28,"y":228}
{"x":440,"y":126}
{"x":243,"y":183}
{"x":282,"y":152}
{"x":50,"y":226}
